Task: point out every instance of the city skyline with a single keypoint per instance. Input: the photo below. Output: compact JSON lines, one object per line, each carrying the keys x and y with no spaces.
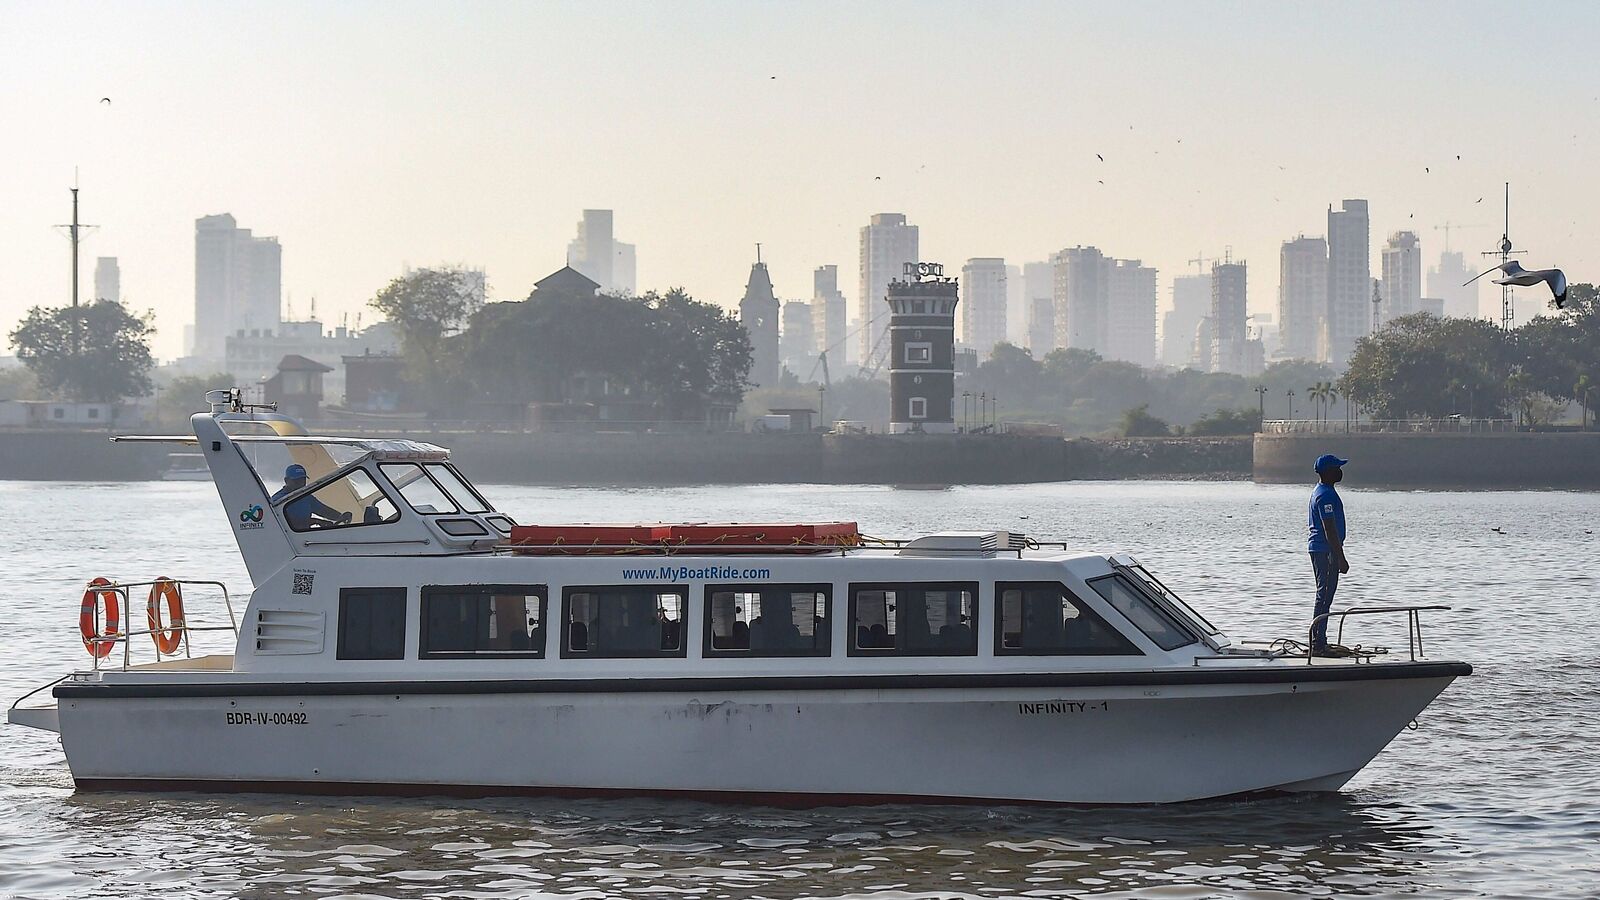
{"x":313,"y":154}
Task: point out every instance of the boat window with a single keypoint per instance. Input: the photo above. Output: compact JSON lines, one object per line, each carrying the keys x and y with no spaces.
{"x":767,"y":620}
{"x":624,"y":621}
{"x":482,"y":621}
{"x":1154,"y":585}
{"x":448,"y":478}
{"x":1157,"y":624}
{"x":501,"y":523}
{"x":351,"y":501}
{"x":1044,"y":618}
{"x":462,"y":527}
{"x":919,"y":619}
{"x":419,"y":490}
{"x":372,"y":623}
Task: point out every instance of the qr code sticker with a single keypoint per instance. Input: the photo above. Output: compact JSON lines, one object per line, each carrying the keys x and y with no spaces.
{"x":302,"y":582}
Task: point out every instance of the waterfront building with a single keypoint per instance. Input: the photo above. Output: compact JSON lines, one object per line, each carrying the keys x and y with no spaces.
{"x":599,"y":255}
{"x":797,"y":343}
{"x":758,"y":312}
{"x":1191,"y":302}
{"x":1402,"y":275}
{"x":1229,"y":318}
{"x":887,"y":244}
{"x":829,"y":314}
{"x":1130,"y":313}
{"x":1349,"y":281}
{"x":1448,"y":282}
{"x":1016,"y":307}
{"x":1081,"y":296}
{"x":921,"y":323}
{"x":238,"y":284}
{"x":253,"y":356}
{"x":1302,"y":295}
{"x":107,"y":279}
{"x":983,"y":315}
{"x":1038,"y":290}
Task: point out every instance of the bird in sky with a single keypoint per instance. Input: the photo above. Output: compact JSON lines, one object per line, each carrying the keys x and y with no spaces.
{"x":105,"y":99}
{"x":1479,"y":200}
{"x":1425,"y":170}
{"x":1099,"y":157}
{"x":1515,"y":274}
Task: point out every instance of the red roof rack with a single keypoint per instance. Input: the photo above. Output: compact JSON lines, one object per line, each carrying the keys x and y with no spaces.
{"x":697,"y":537}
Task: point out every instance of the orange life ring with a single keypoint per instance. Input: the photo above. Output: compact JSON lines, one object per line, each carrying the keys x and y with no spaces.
{"x":170,"y":638}
{"x":94,"y":640}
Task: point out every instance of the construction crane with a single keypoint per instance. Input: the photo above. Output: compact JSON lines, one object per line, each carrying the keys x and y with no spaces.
{"x":1447,"y":227}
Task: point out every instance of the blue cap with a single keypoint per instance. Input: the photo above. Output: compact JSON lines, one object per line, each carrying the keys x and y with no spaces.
{"x":296,"y":470}
{"x":1328,"y":461}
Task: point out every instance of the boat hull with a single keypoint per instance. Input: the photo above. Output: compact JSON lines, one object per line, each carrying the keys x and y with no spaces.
{"x":1144,"y":741}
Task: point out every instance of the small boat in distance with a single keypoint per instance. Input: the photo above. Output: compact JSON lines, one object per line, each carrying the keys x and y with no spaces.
{"x":186,"y":466}
{"x":403,"y":636}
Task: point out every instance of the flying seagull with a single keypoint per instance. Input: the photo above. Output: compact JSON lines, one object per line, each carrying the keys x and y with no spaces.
{"x":105,"y":99}
{"x":1517,"y":275}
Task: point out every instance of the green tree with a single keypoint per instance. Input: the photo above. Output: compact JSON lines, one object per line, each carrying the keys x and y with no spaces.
{"x":97,"y":352}
{"x":1137,"y":422}
{"x":1227,"y":422}
{"x":426,"y":306}
{"x":1411,"y":366}
{"x":185,"y":395}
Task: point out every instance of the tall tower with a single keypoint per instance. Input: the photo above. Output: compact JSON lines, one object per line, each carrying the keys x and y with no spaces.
{"x":983,"y":316}
{"x":887,"y":244}
{"x":829,"y":317}
{"x":1448,"y":282}
{"x":1228,"y":318}
{"x":107,"y":279}
{"x":593,"y":252}
{"x":1349,"y":280}
{"x":1038,"y":291}
{"x":1082,"y":293}
{"x":758,"y":312}
{"x":1402,"y":275}
{"x":922,"y":341}
{"x":1131,"y":312}
{"x":238,"y":284}
{"x":1302,"y":295}
{"x":1191,"y":302}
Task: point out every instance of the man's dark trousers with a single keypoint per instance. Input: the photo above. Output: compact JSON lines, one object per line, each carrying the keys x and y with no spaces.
{"x":1327,"y":582}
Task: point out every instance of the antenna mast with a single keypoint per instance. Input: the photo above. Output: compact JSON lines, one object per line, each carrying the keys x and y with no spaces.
{"x":1508,"y":315}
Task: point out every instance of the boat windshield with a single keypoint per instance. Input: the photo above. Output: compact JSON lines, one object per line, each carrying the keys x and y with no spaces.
{"x":269,"y":459}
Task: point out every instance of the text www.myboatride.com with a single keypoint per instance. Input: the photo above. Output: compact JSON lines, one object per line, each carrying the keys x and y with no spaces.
{"x":695,"y":573}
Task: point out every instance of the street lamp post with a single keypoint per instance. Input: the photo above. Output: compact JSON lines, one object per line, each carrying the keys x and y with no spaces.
{"x":1261,"y":398}
{"x":822,"y":409}
{"x":1290,"y":394}
{"x":966,"y":417}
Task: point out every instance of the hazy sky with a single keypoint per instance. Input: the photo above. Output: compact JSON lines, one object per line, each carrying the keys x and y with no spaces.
{"x":369,"y":136}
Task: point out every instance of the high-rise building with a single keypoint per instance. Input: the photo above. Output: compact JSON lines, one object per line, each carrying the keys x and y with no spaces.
{"x":1402,"y":275}
{"x":238,"y":284}
{"x":1038,"y":291}
{"x":596,"y":253}
{"x":1191,"y":302}
{"x":1349,"y":281}
{"x":983,"y":315}
{"x":798,"y":343}
{"x":107,"y":279}
{"x":1302,"y":295}
{"x":758,"y":312}
{"x":1016,"y":307}
{"x":922,"y":392}
{"x":1081,"y":294}
{"x":1228,"y":319}
{"x":887,"y":244}
{"x":1130,"y":313}
{"x":829,"y":314}
{"x":625,"y":270}
{"x":1449,"y":283}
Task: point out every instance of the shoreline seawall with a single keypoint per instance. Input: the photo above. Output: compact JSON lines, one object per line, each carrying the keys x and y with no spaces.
{"x":726,"y":458}
{"x":1482,"y":461}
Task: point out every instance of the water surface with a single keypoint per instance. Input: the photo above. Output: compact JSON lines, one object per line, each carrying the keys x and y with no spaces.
{"x":1496,"y":795}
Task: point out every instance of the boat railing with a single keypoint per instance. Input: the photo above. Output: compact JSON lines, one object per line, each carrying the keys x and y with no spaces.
{"x":668,"y":548}
{"x":1413,"y":625}
{"x":183,"y":629}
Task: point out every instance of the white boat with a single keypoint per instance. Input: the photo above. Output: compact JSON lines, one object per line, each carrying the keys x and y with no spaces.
{"x":410,"y":639}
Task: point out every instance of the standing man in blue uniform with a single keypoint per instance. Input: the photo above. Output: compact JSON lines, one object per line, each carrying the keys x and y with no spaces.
{"x":1326,"y":544}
